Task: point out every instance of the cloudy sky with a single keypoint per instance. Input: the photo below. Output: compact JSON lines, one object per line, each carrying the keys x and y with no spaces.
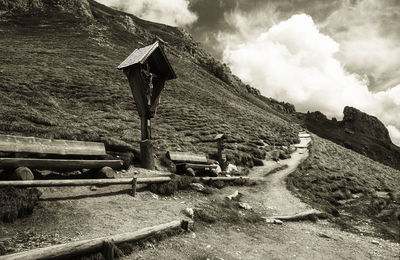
{"x":317,"y":54}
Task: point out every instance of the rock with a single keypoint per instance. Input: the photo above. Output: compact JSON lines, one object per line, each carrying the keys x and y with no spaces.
{"x":235,"y":196}
{"x":317,"y":116}
{"x":189,"y":212}
{"x":375,"y":242}
{"x":273,"y":221}
{"x":245,"y":206}
{"x":93,"y":188}
{"x":324,"y":235}
{"x":198,"y":187}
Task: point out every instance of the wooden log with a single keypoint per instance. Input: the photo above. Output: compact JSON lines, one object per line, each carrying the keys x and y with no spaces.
{"x":223,"y":178}
{"x":147,"y":154}
{"x":183,"y":157}
{"x":84,"y":182}
{"x":301,"y":216}
{"x":106,"y":172}
{"x":21,"y":144}
{"x":199,"y":166}
{"x":68,"y":250}
{"x":23,"y":173}
{"x":57,"y":164}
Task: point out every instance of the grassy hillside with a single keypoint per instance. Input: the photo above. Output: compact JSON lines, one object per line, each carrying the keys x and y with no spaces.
{"x":343,"y":182}
{"x":59,"y":80}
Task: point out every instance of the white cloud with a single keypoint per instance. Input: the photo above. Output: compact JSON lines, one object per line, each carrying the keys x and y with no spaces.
{"x":295,"y":62}
{"x":171,"y":12}
{"x":369,"y":33}
{"x":394,"y":134}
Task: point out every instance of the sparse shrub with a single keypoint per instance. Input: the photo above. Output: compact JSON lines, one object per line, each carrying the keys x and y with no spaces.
{"x":17,"y":203}
{"x":224,"y":211}
{"x":258,"y":162}
{"x":169,"y":188}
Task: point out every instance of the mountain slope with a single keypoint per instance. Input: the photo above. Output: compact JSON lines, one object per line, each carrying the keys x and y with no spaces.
{"x":59,"y":80}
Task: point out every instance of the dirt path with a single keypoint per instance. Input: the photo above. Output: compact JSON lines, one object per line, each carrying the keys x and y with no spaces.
{"x":276,"y":195}
{"x":292,"y":240}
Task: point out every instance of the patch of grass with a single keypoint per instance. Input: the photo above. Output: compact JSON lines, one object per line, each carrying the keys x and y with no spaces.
{"x":17,"y":203}
{"x":225,"y":211}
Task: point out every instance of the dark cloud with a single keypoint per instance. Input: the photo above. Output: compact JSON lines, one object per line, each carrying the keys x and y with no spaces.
{"x":212,"y":15}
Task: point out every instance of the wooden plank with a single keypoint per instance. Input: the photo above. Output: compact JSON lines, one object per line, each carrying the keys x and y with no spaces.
{"x":84,"y":182}
{"x":187,"y":157}
{"x":300,"y":216}
{"x":76,"y":248}
{"x":57,"y":164}
{"x":21,"y":144}
{"x":222,"y":178}
{"x":198,"y":166}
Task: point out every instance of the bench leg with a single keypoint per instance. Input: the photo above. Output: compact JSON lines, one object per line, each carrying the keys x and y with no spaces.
{"x":106,"y":172}
{"x":23,"y":173}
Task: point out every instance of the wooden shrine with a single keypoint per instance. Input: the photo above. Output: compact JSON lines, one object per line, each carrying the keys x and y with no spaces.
{"x":147,"y":69}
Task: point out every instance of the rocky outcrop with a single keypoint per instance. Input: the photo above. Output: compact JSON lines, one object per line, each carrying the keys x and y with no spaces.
{"x":80,"y":8}
{"x":316,"y":116}
{"x":360,"y":122}
{"x":357,"y":131}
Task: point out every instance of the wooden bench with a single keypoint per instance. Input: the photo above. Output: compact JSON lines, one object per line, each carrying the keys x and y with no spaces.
{"x":20,"y":154}
{"x":184,"y":161}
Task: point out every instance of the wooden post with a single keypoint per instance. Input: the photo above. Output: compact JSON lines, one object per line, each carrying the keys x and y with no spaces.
{"x":220,"y":145}
{"x":134,"y":181}
{"x":145,"y":128}
{"x":108,"y":250}
{"x":147,"y":154}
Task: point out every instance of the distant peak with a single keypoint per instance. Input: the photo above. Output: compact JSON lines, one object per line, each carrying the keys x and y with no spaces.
{"x":359,"y":121}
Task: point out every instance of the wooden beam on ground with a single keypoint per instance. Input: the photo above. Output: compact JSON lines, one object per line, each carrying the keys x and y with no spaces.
{"x":57,"y":164}
{"x":182,"y":157}
{"x":198,"y":166}
{"x":21,"y":144}
{"x":300,"y":216}
{"x":85,"y":182}
{"x":222,"y":178}
{"x":68,"y":250}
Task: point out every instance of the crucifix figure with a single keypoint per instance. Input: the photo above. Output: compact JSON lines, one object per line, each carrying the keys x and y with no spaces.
{"x":147,"y":69}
